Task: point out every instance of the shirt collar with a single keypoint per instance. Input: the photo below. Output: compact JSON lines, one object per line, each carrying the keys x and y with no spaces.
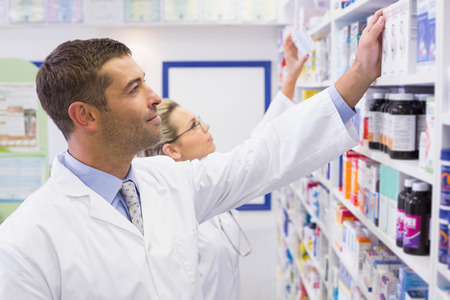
{"x":104,"y":184}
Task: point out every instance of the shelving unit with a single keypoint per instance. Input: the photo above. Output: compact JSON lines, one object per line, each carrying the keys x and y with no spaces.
{"x":427,"y":267}
{"x":314,"y":219}
{"x":354,"y":275}
{"x":409,"y":167}
{"x":420,"y":264}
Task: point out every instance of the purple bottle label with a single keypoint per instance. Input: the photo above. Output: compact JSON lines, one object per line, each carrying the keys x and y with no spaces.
{"x":400,"y":224}
{"x":443,"y":242}
{"x":445,"y":186}
{"x":411,"y":238}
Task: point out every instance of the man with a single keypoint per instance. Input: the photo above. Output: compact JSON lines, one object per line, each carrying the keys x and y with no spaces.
{"x":84,"y":236}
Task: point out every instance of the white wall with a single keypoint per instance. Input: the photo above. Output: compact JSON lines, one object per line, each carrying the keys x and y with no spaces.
{"x":151,"y":45}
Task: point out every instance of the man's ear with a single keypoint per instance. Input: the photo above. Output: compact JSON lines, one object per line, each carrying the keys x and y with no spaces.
{"x":171,"y":151}
{"x":84,"y":115}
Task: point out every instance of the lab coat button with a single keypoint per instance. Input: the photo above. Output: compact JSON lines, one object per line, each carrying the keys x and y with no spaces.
{"x":149,"y":248}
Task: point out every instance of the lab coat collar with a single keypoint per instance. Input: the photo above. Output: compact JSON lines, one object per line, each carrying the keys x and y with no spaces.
{"x":77,"y":191}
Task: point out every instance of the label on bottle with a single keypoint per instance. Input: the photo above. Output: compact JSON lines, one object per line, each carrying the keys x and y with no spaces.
{"x":411,"y":238}
{"x":374,"y":126}
{"x":400,"y":224}
{"x":387,"y":135}
{"x":445,"y":185}
{"x":403,"y":133}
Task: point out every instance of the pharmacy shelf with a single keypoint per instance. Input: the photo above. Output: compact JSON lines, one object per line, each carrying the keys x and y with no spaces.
{"x":308,"y":288}
{"x":409,"y":167}
{"x":322,"y":30}
{"x":427,"y":267}
{"x":314,"y":261}
{"x":443,"y":270}
{"x":446,"y":119}
{"x":355,"y":276}
{"x":360,"y":10}
{"x":281,"y":254}
{"x":441,"y":295}
{"x":313,"y":85}
{"x":316,"y":265}
{"x":324,"y":181}
{"x":313,"y":216}
{"x":420,"y":264}
{"x":418,"y":79}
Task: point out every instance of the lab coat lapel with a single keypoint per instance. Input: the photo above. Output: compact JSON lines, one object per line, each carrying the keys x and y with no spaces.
{"x":102,"y":210}
{"x":148,"y":206}
{"x":79,"y":193}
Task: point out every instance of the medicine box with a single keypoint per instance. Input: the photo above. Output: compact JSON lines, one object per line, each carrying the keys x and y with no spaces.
{"x":356,"y":29}
{"x":423,"y":33}
{"x":426,"y":34}
{"x":400,"y":38}
{"x":432,"y":30}
{"x":347,"y":172}
{"x":409,"y":280}
{"x":344,"y":39}
{"x":391,"y":184}
{"x":415,"y":295}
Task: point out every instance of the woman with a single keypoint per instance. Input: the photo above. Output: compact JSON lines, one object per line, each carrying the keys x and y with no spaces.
{"x":187,"y":137}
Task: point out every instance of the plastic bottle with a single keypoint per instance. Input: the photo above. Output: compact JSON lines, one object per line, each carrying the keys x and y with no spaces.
{"x":375,"y":120}
{"x":445,"y":177}
{"x":401,"y":210}
{"x":416,"y":238}
{"x":402,"y":136}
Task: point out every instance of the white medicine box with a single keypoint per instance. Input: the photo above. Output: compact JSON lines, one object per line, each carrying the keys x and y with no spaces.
{"x":400,"y":38}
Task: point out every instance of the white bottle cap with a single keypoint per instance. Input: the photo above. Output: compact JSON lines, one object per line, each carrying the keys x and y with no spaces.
{"x":420,"y":186}
{"x":409,"y":182}
{"x":378,"y":96}
{"x":402,"y":97}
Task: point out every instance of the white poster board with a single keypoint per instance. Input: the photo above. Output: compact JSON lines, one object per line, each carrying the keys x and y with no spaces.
{"x":231,"y":96}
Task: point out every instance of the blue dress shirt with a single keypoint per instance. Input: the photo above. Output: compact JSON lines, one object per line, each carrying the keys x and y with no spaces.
{"x":342,"y":107}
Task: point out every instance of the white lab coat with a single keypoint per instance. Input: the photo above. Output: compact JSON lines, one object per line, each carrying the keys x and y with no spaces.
{"x":67,"y":242}
{"x":218,"y":261}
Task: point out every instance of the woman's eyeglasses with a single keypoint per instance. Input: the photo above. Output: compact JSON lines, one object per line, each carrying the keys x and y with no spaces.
{"x":238,"y":251}
{"x":195,"y":124}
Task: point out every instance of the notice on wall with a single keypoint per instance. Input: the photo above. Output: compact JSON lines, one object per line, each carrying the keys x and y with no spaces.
{"x":27,"y":11}
{"x":103,"y":11}
{"x":20,"y":176}
{"x":18,"y":116}
{"x":181,"y":10}
{"x":64,"y":11}
{"x":259,"y":10}
{"x":220,"y":11}
{"x":141,"y":11}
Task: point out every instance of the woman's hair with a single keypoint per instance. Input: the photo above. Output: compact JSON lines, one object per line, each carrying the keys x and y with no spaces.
{"x":169,"y":132}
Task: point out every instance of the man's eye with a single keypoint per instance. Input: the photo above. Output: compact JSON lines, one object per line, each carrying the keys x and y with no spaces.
{"x":134,"y":90}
